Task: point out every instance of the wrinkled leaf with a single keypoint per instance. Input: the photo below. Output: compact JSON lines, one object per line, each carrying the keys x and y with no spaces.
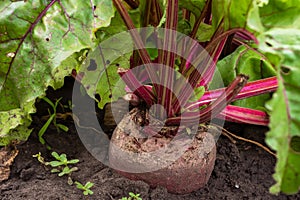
{"x":100,"y":66}
{"x":117,"y":25}
{"x":236,"y":14}
{"x":40,"y":42}
{"x":281,"y":43}
{"x":284,"y":125}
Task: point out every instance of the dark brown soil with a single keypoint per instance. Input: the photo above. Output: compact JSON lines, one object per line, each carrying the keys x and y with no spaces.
{"x":242,"y":170}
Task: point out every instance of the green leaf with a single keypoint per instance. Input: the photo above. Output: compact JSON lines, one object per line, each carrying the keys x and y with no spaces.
{"x":280,"y":13}
{"x":198,"y":93}
{"x":117,"y":25}
{"x":280,"y":42}
{"x":54,"y":171}
{"x":66,"y":170}
{"x":116,"y":51}
{"x":55,"y":155}
{"x":49,"y":102}
{"x":183,"y":25}
{"x":100,"y":68}
{"x":44,"y":129}
{"x":73,"y":169}
{"x":63,"y":127}
{"x":74,"y":161}
{"x":132,"y":194}
{"x":284,"y":125}
{"x":195,"y":6}
{"x":79,"y":185}
{"x":89,"y":184}
{"x":249,"y":62}
{"x":236,"y":14}
{"x":40,"y":42}
{"x":205,"y":32}
{"x":55,"y":163}
{"x":61,"y":174}
{"x":295,"y":143}
{"x":86,"y":187}
{"x":14,"y":122}
{"x":63,"y":158}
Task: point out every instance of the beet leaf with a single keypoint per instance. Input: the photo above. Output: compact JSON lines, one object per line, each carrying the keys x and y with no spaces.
{"x":41,"y":42}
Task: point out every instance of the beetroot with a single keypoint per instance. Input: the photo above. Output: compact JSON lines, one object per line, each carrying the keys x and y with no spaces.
{"x":175,"y":153}
{"x":129,"y":155}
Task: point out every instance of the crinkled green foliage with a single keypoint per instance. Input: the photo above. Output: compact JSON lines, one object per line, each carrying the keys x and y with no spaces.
{"x":236,"y":14}
{"x":281,"y":44}
{"x":117,"y":25}
{"x":277,"y":27}
{"x":100,"y":68}
{"x":115,"y":52}
{"x":205,"y":32}
{"x":40,"y":42}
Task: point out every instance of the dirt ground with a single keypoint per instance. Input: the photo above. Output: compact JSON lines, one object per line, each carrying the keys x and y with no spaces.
{"x":242,"y":170}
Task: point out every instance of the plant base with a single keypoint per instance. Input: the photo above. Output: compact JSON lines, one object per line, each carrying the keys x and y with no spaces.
{"x":129,"y":154}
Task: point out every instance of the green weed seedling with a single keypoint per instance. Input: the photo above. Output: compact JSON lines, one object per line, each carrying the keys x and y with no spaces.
{"x":85,"y":188}
{"x":69,"y":105}
{"x":61,"y":163}
{"x":40,"y":158}
{"x":132,"y":196}
{"x":52,"y":119}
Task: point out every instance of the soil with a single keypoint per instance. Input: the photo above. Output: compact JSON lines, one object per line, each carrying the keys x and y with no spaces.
{"x":242,"y":170}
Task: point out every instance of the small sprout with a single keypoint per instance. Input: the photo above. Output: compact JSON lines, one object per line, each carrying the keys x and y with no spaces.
{"x":132,"y":196}
{"x":62,"y":163}
{"x":70,"y":181}
{"x":40,"y":158}
{"x":52,"y":119}
{"x":85,"y":188}
{"x":69,"y":105}
{"x":67,"y":170}
{"x":54,"y":170}
{"x":62,"y":127}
